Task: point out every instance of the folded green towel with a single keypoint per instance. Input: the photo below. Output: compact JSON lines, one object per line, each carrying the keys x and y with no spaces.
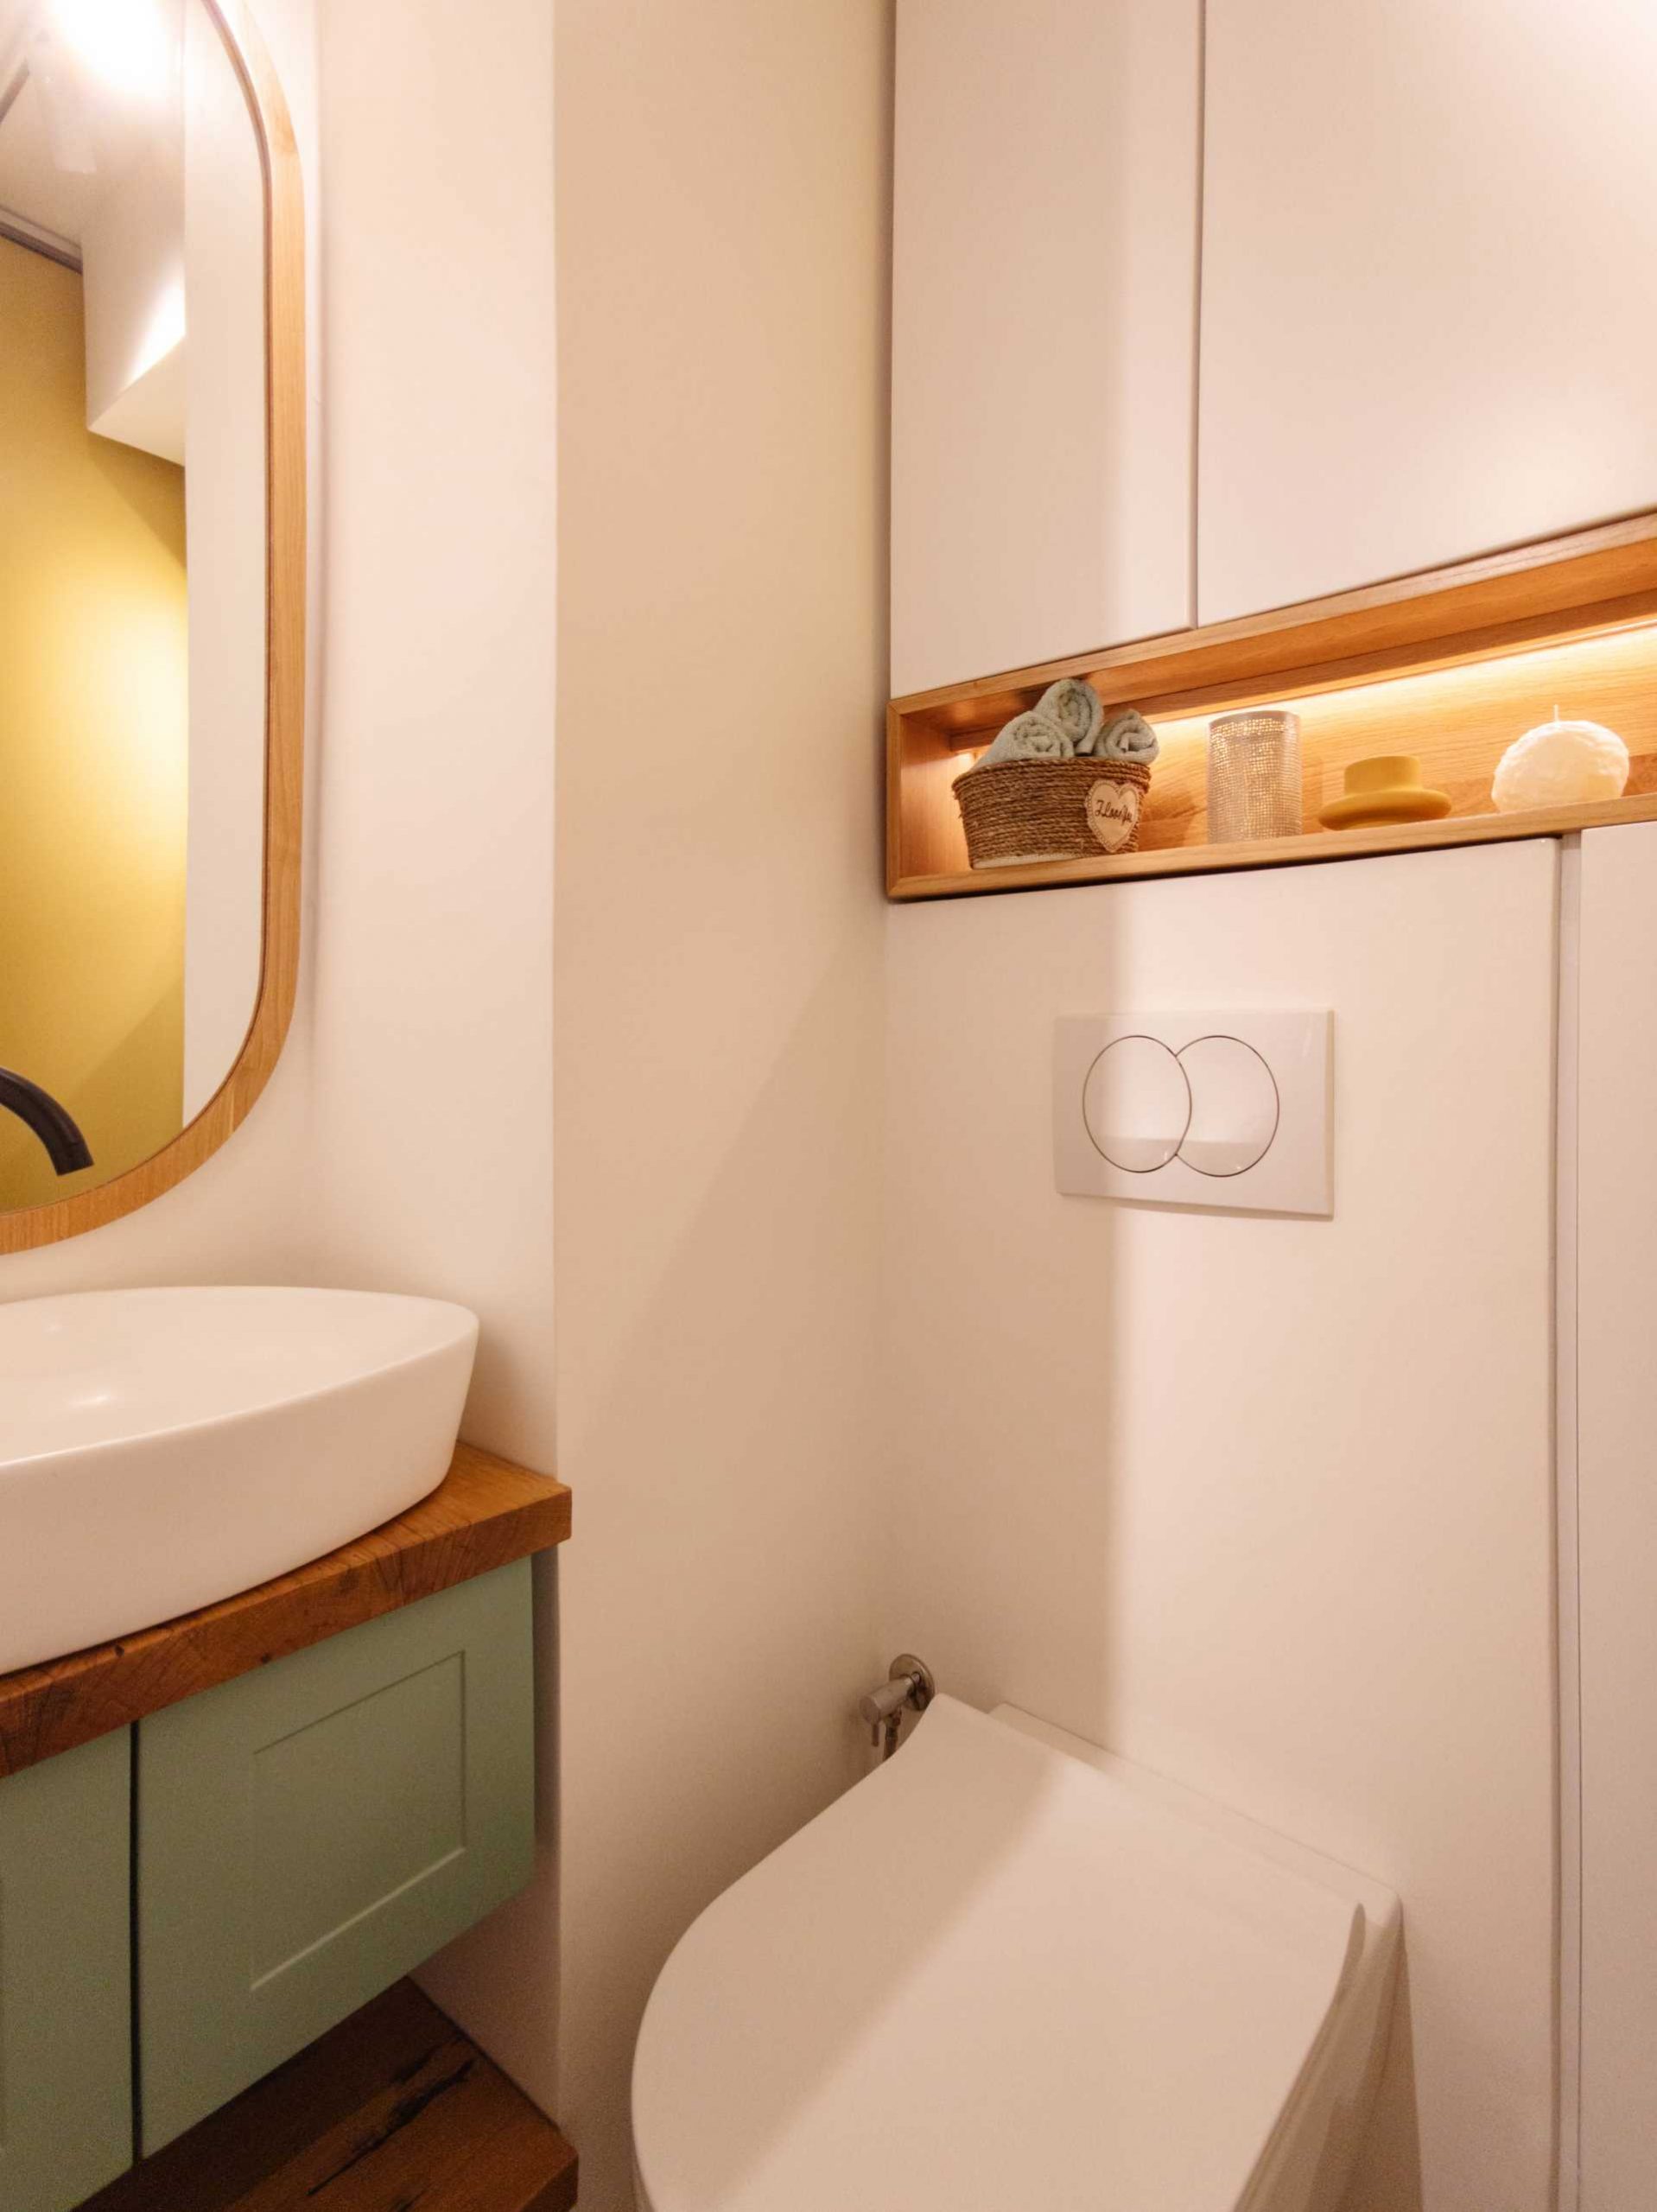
{"x":1032,"y":736}
{"x":1128,"y":736}
{"x":1077,"y":709}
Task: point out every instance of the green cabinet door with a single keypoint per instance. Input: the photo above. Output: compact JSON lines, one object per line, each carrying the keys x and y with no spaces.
{"x":65,"y":1979}
{"x":308,"y":1834}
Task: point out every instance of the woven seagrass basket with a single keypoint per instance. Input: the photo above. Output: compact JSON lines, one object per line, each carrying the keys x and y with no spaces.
{"x":1050,"y":810}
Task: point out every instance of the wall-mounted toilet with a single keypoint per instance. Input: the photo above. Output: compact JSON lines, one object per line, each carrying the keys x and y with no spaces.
{"x":1010,"y":1973}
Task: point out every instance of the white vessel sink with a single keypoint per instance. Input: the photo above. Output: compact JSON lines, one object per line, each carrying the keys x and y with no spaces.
{"x":160,"y":1449}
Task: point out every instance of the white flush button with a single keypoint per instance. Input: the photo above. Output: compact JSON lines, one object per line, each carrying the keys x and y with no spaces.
{"x":1136,"y":1102}
{"x":1235,"y":1106}
{"x":1228,"y":1108}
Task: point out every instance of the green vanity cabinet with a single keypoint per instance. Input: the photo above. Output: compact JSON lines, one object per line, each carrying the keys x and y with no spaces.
{"x":308,"y":1833}
{"x":187,"y":1902}
{"x":65,"y":1981}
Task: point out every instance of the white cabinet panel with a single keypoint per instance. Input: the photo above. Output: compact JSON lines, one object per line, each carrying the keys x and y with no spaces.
{"x":1616,"y":1422}
{"x":1428,"y":319}
{"x":1045,"y":275}
{"x":1283,"y":1486}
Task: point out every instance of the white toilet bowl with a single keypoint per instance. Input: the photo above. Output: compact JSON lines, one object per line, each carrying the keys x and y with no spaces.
{"x":1010,"y":1973}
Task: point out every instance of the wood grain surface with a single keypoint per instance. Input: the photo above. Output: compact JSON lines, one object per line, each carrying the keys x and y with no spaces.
{"x":1280,"y":852}
{"x":1458,"y":715}
{"x":485,"y":1513}
{"x":393,"y":2109}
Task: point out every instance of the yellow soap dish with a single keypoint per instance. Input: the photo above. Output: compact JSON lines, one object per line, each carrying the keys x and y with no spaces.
{"x":1386,"y":788}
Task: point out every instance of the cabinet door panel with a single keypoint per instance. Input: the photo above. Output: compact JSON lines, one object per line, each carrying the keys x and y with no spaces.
{"x":1616,"y":1416}
{"x":66,"y":1983}
{"x":1043,"y":329}
{"x":1427,"y":325}
{"x":308,"y":1834}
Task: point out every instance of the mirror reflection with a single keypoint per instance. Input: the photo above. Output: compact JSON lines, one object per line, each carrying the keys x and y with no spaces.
{"x":132,"y":582}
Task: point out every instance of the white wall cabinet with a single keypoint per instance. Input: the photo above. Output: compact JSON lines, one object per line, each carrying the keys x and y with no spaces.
{"x":1426,"y":318}
{"x":1284,"y":1487}
{"x":1045,"y":280}
{"x":1617,"y":1411}
{"x":1427,"y":314}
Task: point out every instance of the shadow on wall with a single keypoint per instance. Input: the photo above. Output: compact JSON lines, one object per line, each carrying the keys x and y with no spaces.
{"x":1388,"y":2179}
{"x":717,"y":1333}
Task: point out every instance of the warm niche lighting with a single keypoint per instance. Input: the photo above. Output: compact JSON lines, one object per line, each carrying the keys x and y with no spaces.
{"x":1618,"y":668}
{"x":1458,"y":720}
{"x":1467,"y":714}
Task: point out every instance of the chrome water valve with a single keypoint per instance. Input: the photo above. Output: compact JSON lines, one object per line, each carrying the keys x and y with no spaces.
{"x":909,"y":1688}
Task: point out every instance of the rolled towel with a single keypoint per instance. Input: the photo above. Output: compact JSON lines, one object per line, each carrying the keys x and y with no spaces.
{"x":1077,"y":709}
{"x":1032,"y":736}
{"x":1127,"y":737}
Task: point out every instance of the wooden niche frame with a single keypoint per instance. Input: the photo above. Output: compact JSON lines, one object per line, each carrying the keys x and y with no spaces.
{"x":1585,"y":585}
{"x":284,"y":738}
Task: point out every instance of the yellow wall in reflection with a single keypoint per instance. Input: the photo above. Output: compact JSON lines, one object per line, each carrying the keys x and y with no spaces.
{"x":94,"y":733}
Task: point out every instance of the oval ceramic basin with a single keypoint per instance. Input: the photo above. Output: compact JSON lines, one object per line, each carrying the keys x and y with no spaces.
{"x":160,"y":1449}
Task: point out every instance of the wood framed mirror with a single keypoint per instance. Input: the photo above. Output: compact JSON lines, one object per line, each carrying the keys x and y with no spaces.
{"x":152,"y":559}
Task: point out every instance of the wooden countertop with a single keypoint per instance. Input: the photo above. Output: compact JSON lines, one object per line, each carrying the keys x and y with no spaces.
{"x":484,"y":1514}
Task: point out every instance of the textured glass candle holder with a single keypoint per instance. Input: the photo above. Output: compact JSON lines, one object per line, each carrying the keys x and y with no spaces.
{"x":1254,"y":775}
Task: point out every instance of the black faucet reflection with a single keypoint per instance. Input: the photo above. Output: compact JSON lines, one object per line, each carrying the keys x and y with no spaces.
{"x":66,"y":1147}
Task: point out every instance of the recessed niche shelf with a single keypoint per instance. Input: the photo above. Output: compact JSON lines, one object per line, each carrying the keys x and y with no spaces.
{"x":1451,"y":667}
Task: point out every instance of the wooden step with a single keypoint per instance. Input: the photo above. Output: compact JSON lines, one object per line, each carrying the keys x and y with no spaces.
{"x":393,"y":2109}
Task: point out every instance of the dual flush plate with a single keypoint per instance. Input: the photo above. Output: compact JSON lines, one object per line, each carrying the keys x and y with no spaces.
{"x":1206,"y":1109}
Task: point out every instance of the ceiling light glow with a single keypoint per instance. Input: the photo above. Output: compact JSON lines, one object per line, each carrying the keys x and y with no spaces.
{"x":123,"y":43}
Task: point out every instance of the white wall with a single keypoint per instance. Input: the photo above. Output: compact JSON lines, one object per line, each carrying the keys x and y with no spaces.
{"x":433,"y":1117}
{"x":722,"y":276}
{"x":225,"y":514}
{"x":132,"y":245}
{"x":433,"y":986}
{"x":1263,"y":1504}
{"x":132,"y":252}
